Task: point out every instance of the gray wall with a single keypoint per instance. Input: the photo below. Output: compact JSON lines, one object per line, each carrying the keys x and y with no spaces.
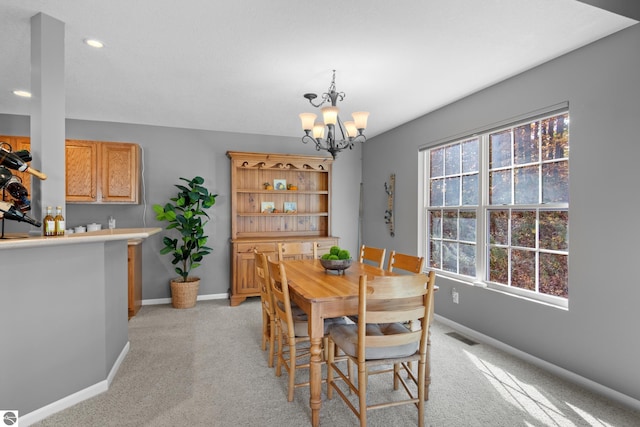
{"x":597,"y":337}
{"x":170,"y":153}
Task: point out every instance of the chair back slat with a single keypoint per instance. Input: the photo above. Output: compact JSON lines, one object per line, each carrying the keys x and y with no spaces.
{"x":408,"y":263}
{"x":390,"y":316}
{"x":393,"y":340}
{"x":374,"y":255}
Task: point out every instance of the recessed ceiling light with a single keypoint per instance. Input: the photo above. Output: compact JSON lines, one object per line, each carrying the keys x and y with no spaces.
{"x":22,"y":93}
{"x":94,"y":43}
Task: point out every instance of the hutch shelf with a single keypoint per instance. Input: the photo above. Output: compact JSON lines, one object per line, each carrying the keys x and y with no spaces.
{"x":260,"y":218}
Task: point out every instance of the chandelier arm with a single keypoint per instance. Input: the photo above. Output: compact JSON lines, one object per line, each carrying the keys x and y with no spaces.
{"x":317,"y":142}
{"x":318,"y":105}
{"x":342,"y":128}
{"x":360,"y":138}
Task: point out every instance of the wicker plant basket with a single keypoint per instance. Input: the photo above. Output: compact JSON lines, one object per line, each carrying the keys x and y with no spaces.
{"x":184,"y":294}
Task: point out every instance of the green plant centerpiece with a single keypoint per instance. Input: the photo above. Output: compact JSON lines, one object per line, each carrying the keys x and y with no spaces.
{"x":186,"y":214}
{"x":336,"y":259}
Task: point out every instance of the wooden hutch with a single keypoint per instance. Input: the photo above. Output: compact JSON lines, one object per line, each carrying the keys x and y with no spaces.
{"x":297,"y":207}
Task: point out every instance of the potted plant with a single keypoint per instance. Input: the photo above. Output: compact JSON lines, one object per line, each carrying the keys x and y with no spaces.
{"x":186,"y":214}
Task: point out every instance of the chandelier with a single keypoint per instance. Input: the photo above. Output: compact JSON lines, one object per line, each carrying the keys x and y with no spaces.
{"x":350,"y":131}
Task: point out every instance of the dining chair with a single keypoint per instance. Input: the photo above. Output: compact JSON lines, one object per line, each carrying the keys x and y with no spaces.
{"x":406,"y":263}
{"x":292,"y":329}
{"x":374,"y":255}
{"x":381,"y":338}
{"x":409,"y":263}
{"x":297,"y":250}
{"x":268,"y":309}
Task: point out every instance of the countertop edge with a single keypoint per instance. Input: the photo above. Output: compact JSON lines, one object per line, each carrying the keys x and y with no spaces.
{"x":17,"y":241}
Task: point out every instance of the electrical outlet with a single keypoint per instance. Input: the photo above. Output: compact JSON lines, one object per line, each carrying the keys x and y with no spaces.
{"x":455,"y":296}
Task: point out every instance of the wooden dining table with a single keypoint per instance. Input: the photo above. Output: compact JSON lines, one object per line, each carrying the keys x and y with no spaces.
{"x":324,"y":294}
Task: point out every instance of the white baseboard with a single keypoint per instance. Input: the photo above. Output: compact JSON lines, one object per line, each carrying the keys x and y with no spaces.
{"x":75,"y":398}
{"x":556,"y":370}
{"x":200,"y":298}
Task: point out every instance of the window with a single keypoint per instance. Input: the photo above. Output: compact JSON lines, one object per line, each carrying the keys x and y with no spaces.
{"x":497,"y":208}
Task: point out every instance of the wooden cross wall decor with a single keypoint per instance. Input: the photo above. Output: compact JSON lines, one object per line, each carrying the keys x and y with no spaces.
{"x":388,"y":215}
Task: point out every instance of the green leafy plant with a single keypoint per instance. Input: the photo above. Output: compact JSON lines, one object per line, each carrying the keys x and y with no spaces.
{"x":187,"y":215}
{"x":335,"y":253}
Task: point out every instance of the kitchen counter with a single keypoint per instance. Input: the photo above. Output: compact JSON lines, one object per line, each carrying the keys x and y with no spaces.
{"x":23,"y":240}
{"x":63,"y":317}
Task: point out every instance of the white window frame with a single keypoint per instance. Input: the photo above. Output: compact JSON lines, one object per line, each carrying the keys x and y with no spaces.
{"x":482,"y":224}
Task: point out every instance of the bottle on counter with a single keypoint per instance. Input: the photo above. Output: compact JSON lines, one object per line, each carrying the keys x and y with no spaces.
{"x":49,"y":223}
{"x":8,"y":211}
{"x":59,"y":222}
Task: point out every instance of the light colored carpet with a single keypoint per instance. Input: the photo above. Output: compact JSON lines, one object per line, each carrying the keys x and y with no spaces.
{"x":204,"y":367}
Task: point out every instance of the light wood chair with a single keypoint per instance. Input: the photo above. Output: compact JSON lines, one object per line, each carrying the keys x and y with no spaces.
{"x":409,"y":263}
{"x":268,"y":309}
{"x":292,"y":329}
{"x":381,"y":338}
{"x":297,"y":250}
{"x":374,"y":255}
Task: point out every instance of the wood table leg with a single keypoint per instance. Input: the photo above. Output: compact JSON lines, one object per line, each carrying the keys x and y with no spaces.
{"x":315,"y":380}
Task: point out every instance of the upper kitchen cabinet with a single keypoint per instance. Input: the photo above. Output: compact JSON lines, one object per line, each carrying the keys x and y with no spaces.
{"x":102,"y":172}
{"x":81,"y":158}
{"x":96,"y":171}
{"x":119,"y":172}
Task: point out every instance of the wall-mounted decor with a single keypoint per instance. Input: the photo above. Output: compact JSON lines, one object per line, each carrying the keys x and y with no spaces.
{"x":290,"y":207}
{"x":280,"y":184}
{"x":267,"y":207}
{"x":389,"y":188}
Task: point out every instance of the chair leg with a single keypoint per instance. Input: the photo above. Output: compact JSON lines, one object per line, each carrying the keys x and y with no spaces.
{"x":332,"y":349}
{"x":272,"y":340}
{"x":396,"y":374}
{"x":363,"y":377}
{"x":265,"y":327}
{"x":292,"y":369}
{"x":325,"y":348}
{"x":280,"y":357}
{"x":421,"y":393}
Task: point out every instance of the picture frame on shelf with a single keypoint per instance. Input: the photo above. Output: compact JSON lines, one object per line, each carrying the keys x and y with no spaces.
{"x":279,"y":184}
{"x":290,"y":207}
{"x":267,"y":207}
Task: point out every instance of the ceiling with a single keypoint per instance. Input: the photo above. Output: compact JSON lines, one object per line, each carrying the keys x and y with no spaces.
{"x":243,"y":65}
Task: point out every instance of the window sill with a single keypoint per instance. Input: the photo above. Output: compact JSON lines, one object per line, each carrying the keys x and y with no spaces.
{"x":550,"y":301}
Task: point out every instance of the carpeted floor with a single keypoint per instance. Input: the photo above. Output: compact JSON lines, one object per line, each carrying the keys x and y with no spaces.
{"x":204,"y":367}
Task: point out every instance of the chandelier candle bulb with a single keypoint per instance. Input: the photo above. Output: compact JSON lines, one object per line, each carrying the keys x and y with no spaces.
{"x":330,"y":115}
{"x":352,"y":131}
{"x":307,"y":119}
{"x":318,"y":130}
{"x":360,"y":119}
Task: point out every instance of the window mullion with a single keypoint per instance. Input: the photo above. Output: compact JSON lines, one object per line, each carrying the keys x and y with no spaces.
{"x":482,"y":225}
